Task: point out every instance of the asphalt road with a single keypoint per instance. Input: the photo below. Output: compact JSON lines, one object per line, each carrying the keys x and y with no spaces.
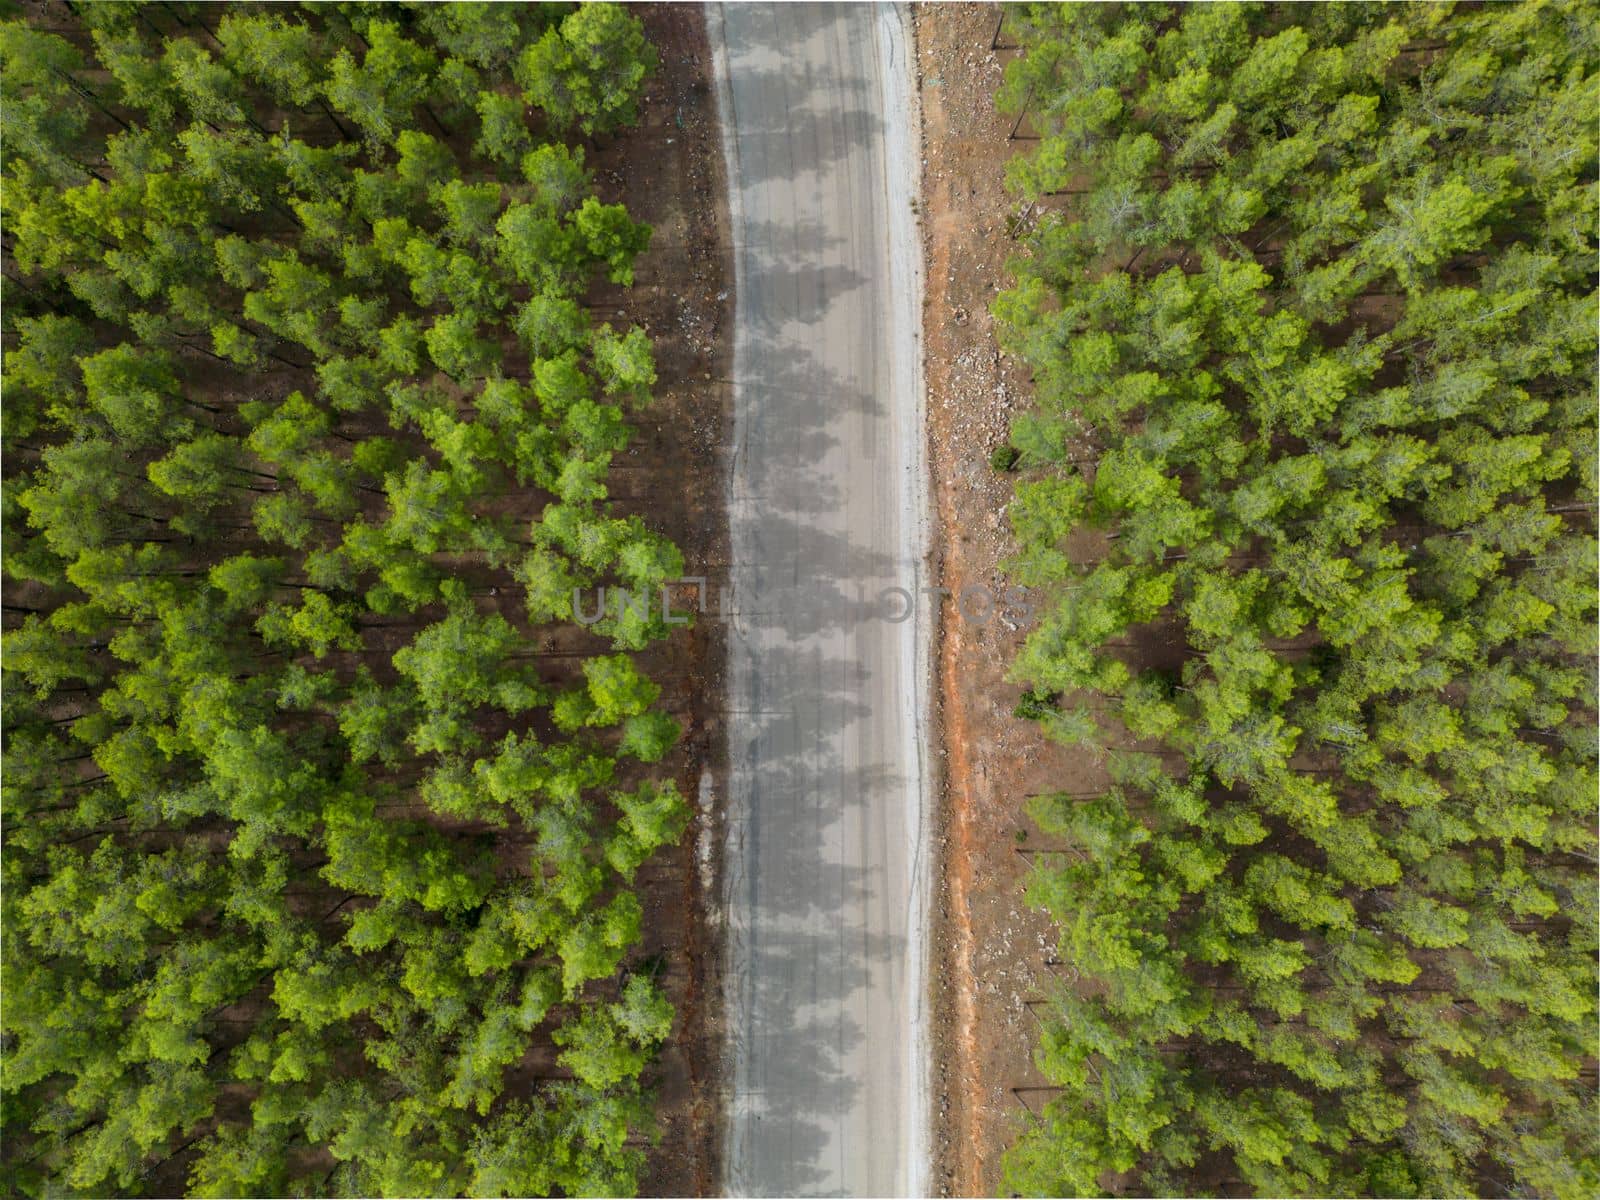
{"x":826,"y":808}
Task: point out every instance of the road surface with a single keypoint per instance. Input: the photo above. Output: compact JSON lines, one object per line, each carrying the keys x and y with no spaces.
{"x":826,"y":809}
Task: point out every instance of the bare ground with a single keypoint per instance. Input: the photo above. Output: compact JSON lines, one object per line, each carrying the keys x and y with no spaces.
{"x":993,"y":953}
{"x":668,"y":169}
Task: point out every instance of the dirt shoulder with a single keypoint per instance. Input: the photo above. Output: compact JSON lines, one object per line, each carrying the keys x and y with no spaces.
{"x":668,"y":170}
{"x":992,"y":952}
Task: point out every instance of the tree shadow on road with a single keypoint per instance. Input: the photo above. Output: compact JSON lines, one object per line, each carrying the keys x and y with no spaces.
{"x":804,"y":955}
{"x":816,"y":906}
{"x":773,"y":93}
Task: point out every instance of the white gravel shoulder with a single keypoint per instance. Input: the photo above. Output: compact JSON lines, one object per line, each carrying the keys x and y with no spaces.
{"x":902,"y":152}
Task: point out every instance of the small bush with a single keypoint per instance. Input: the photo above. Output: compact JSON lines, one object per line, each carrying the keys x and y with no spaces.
{"x":1004,"y":458}
{"x":1034,"y":706}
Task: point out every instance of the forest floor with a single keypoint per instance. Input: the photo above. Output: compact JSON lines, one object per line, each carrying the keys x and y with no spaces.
{"x":993,"y":952}
{"x":668,"y":170}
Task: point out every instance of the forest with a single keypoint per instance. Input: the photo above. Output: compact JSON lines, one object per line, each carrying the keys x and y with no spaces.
{"x":1308,"y":300}
{"x":317,"y":861}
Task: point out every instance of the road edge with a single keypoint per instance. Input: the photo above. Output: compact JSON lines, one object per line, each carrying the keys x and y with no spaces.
{"x":728,"y":1055}
{"x":897,"y":73}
